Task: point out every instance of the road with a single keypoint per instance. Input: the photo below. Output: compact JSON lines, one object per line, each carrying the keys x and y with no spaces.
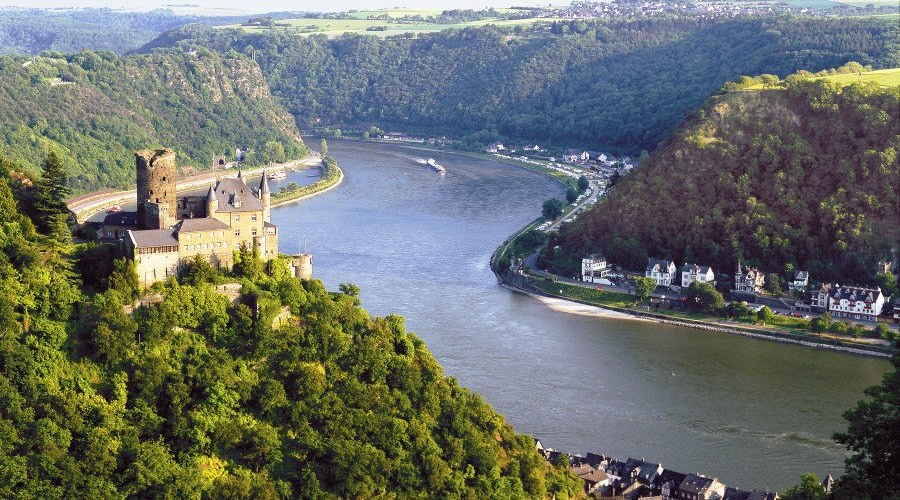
{"x":87,"y":205}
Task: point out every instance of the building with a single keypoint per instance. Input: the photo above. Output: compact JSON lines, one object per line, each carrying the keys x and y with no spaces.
{"x":693,"y":272}
{"x":699,"y":487}
{"x":170,"y":230}
{"x":748,"y":280}
{"x":594,"y":268}
{"x":663,"y":271}
{"x":801,"y":281}
{"x":850,"y":302}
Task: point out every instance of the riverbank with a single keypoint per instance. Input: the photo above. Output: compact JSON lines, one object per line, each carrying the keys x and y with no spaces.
{"x":87,"y":205}
{"x":332,"y":176}
{"x":576,"y":306}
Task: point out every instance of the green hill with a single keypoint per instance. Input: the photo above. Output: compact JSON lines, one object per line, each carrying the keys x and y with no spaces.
{"x":610,"y":85}
{"x":806,"y":176}
{"x":288,"y":391}
{"x":96,"y":108}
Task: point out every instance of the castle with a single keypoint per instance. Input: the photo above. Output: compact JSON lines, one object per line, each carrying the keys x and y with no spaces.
{"x":168,"y":230}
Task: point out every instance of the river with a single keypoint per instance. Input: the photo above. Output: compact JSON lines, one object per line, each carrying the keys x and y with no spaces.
{"x":755,"y":414}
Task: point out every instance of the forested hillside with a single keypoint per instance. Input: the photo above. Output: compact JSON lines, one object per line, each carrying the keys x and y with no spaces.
{"x":620,"y":85}
{"x":95,"y":109}
{"x":805,"y":176}
{"x":289,"y":391}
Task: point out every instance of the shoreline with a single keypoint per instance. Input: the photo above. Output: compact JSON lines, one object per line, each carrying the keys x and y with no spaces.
{"x":317,"y":192}
{"x":618,"y":313}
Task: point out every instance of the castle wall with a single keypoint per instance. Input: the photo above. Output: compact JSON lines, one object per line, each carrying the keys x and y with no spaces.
{"x":153,"y":267}
{"x":191,"y":207}
{"x":155,"y":181}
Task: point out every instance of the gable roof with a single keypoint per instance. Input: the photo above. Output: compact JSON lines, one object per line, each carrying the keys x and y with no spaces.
{"x":698,"y":269}
{"x":659,"y":265}
{"x":234,"y":196}
{"x":120,"y":219}
{"x":150,"y":238}
{"x":696,"y":484}
{"x":202,"y":224}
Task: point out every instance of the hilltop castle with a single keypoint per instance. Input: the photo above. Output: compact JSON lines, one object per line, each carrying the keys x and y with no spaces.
{"x":166,"y":230}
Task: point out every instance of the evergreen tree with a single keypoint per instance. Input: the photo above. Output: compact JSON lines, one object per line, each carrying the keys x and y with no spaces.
{"x":50,"y":200}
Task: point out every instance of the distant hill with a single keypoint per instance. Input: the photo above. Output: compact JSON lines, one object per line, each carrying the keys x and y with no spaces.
{"x":32,"y":31}
{"x":619,"y":86}
{"x":806,"y":176}
{"x":97,"y":108}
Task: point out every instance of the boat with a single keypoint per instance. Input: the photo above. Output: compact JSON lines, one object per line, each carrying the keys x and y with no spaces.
{"x":433,"y":164}
{"x":274,"y":176}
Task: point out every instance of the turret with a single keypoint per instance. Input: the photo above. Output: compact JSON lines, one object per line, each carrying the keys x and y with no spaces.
{"x":156,"y":202}
{"x":212,"y":203}
{"x":266,"y":197}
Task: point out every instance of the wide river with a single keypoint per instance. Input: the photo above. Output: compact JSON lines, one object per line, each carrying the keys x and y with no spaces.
{"x":753,"y":413}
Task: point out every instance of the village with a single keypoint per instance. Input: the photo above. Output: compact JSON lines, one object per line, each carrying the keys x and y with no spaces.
{"x":605,"y":477}
{"x":861,"y":305}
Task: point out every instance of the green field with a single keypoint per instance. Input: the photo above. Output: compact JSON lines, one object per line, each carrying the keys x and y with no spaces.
{"x":377,"y":27}
{"x":883,"y":77}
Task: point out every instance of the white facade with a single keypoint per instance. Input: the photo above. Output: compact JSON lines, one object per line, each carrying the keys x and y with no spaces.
{"x":692,"y":272}
{"x":594,"y":268}
{"x":801,"y":280}
{"x":663,"y":271}
{"x":855,"y":303}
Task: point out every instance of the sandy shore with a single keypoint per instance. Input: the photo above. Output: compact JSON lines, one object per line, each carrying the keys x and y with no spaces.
{"x":569,"y":307}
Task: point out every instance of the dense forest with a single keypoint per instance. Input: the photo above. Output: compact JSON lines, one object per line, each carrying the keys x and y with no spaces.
{"x":286,"y":390}
{"x":96,"y":108}
{"x":804,"y":177}
{"x":618,"y":86}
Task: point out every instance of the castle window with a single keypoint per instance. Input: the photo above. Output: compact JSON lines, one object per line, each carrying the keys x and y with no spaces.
{"x":237,"y":218}
{"x":237,"y":232}
{"x":253,"y":217}
{"x":254,"y":231}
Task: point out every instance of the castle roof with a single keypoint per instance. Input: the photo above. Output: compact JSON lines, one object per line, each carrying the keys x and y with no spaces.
{"x":120,"y":219}
{"x":264,"y":183}
{"x":234,"y":196}
{"x":211,"y":194}
{"x":202,"y":224}
{"x":149,"y":238}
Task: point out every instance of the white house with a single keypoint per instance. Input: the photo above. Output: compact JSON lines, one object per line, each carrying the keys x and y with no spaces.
{"x":801,"y":280}
{"x":856,"y":303}
{"x":693,"y":272}
{"x":594,"y":268}
{"x":663,"y":271}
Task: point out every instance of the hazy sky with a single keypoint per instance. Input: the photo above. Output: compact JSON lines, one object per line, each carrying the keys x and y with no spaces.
{"x":251,"y":6}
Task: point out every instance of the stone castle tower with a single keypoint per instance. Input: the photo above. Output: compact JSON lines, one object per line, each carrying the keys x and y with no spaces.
{"x":156,"y":202}
{"x":301,"y":264}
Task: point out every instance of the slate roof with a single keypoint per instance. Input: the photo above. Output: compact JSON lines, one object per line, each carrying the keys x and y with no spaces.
{"x":149,"y":238}
{"x":202,"y":224}
{"x":659,"y":265}
{"x":120,"y":219}
{"x":675,"y":478}
{"x":801,"y":276}
{"x":735,"y":494}
{"x":698,"y":269}
{"x":696,"y":484}
{"x":854,"y":293}
{"x":234,"y":196}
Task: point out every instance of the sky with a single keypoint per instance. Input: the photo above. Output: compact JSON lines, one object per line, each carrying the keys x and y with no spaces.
{"x":238,"y":7}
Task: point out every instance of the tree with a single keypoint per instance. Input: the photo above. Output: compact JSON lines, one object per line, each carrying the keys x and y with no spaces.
{"x":765,"y":314}
{"x":810,"y":488}
{"x":644,"y":287}
{"x":704,"y":296}
{"x":124,"y":279}
{"x":552,"y":209}
{"x":52,"y":191}
{"x":821,"y":324}
{"x":773,"y":284}
{"x":273,"y":151}
{"x":571,"y":195}
{"x":583,"y":184}
{"x":323,"y":148}
{"x":888,"y":283}
{"x":874,"y":438}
